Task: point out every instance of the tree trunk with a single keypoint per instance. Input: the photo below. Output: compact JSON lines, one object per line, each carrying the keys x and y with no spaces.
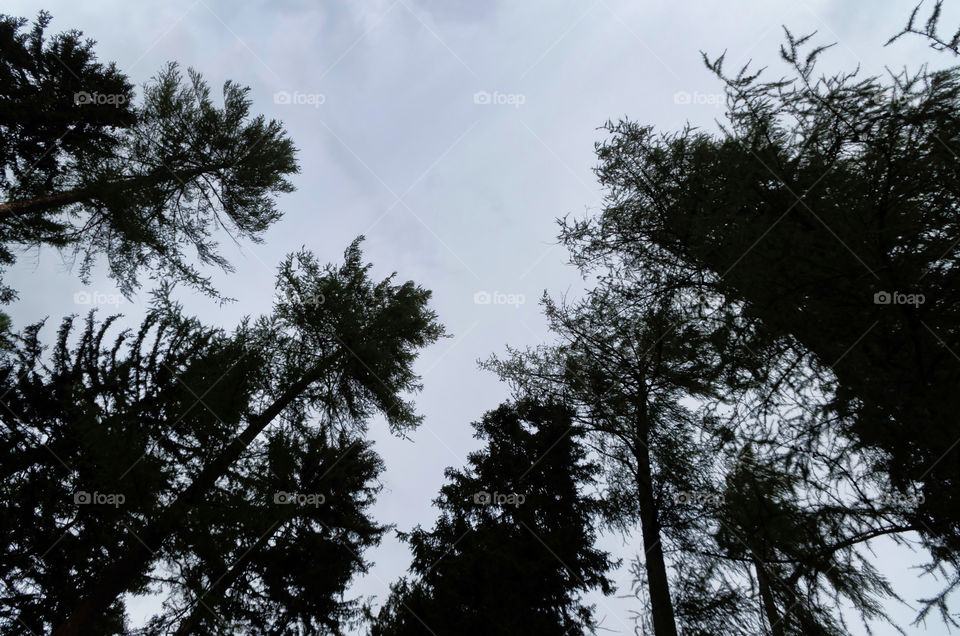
{"x":658,"y":585}
{"x":42,"y":204}
{"x":118,"y":577}
{"x":46,"y":203}
{"x":766,"y":598}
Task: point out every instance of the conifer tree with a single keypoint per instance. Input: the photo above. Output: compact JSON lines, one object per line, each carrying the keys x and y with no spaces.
{"x":625,"y":365}
{"x":821,"y":217}
{"x":513,"y":549}
{"x":143,"y":184}
{"x":125,"y":457}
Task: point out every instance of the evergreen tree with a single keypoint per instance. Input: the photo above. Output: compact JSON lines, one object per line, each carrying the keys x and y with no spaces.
{"x":48,"y":125}
{"x":189,"y":432}
{"x":513,"y":548}
{"x":930,"y":29}
{"x":667,"y":389}
{"x":802,"y":554}
{"x":94,"y":434}
{"x":628,"y":368}
{"x":785,"y":547}
{"x":822,"y":217}
{"x":276,"y":549}
{"x":145,"y":185}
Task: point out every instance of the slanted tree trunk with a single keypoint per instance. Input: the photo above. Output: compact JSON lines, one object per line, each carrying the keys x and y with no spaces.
{"x":46,"y":203}
{"x":766,"y":598}
{"x":119,"y":576}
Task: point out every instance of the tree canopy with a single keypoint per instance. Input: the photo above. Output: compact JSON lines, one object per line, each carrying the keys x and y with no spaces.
{"x":758,"y":381}
{"x":822,"y":215}
{"x":145,"y":185}
{"x":513,"y":549}
{"x":190,"y":432}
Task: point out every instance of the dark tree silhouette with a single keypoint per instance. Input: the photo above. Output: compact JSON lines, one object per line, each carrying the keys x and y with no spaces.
{"x":74,"y":422}
{"x":774,"y":526}
{"x":930,"y":29}
{"x":280,"y":561}
{"x":144,"y":185}
{"x":824,"y":216}
{"x":171,"y":421}
{"x":48,"y":126}
{"x":806,"y":255}
{"x":513,"y":549}
{"x":627,"y":366}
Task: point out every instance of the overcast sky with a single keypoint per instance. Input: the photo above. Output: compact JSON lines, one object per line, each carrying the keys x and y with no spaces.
{"x":452,"y":133}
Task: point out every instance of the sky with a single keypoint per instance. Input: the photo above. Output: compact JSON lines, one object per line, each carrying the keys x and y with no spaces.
{"x":452,"y":134}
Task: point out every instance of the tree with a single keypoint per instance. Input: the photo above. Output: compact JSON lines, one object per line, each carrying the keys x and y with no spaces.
{"x":823,"y":215}
{"x":628,"y":367}
{"x":279,"y":561}
{"x":74,"y":421}
{"x":784,"y":547}
{"x":89,"y":171}
{"x":671,"y":397}
{"x":170,"y":420}
{"x":801,"y":551}
{"x":930,"y":29}
{"x":48,"y":127}
{"x":513,"y":548}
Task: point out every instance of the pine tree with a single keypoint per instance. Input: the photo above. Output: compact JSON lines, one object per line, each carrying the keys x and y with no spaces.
{"x":802,"y":553}
{"x":513,"y":549}
{"x":628,"y":366}
{"x":186,"y":429}
{"x":144,"y":185}
{"x":821,"y":217}
{"x":274,"y":551}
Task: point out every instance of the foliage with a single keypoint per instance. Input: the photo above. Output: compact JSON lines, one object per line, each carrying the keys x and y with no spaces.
{"x":158,"y":412}
{"x":518,"y":562}
{"x":144,"y":185}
